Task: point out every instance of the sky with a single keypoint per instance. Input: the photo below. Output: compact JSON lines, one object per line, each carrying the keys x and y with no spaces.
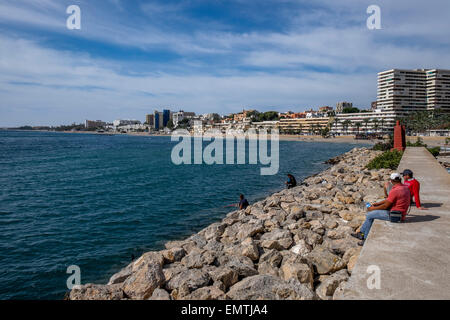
{"x":132,"y":57}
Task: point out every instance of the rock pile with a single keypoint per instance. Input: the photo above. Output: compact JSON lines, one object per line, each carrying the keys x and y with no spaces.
{"x":295,"y":244}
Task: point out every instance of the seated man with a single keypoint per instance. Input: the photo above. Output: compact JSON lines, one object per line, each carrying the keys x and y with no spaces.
{"x":243,"y":203}
{"x":398,"y":200}
{"x":414,"y":187}
{"x":291,"y":181}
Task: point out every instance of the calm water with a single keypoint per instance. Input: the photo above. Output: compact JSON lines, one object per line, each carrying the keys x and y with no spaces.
{"x":93,"y":201}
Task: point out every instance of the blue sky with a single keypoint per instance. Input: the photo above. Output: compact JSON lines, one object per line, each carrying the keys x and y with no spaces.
{"x":132,"y":57}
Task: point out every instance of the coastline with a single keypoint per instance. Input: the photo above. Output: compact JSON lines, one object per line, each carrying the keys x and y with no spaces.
{"x":295,"y":241}
{"x":431,"y":141}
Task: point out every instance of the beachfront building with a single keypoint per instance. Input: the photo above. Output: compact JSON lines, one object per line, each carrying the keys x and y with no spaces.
{"x":312,"y":125}
{"x":90,"y":124}
{"x":119,"y":123}
{"x":405,"y":91}
{"x":265,"y":125}
{"x":375,"y":122}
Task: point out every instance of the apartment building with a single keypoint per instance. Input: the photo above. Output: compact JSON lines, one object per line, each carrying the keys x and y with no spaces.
{"x":303,"y":125}
{"x":438,"y":89}
{"x":406,"y":91}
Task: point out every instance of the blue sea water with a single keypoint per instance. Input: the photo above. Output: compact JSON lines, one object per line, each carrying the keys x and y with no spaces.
{"x":95,"y":200}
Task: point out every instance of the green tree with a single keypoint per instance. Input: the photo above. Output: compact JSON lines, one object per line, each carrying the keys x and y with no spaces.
{"x":358,"y":125}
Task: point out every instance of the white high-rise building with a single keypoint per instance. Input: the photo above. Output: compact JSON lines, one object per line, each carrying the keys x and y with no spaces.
{"x":405,"y":91}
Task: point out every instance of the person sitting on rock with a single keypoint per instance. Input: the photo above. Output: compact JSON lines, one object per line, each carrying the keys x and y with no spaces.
{"x":414,"y":187}
{"x":291,"y":181}
{"x":398,"y":200}
{"x":243,"y":204}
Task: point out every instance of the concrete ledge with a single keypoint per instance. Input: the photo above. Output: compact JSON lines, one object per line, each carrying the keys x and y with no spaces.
{"x":413,"y":257}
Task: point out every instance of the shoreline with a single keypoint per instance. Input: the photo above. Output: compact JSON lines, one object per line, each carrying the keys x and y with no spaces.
{"x":294,"y":241}
{"x":431,"y":141}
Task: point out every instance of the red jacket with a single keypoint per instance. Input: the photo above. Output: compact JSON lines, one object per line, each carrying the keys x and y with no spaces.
{"x":414,"y":188}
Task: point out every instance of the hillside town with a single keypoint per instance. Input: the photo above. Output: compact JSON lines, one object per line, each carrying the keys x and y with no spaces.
{"x":420,"y":98}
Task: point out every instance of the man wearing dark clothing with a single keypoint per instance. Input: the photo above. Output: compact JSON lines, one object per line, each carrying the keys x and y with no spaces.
{"x":243,"y":204}
{"x":291,"y":181}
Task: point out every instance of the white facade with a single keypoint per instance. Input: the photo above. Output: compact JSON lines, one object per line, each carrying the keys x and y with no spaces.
{"x":378,"y":121}
{"x":413,"y":90}
{"x":118,"y":123}
{"x":179,"y":116}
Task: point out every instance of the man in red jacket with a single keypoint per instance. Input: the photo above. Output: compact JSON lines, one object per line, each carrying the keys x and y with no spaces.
{"x":414,"y":187}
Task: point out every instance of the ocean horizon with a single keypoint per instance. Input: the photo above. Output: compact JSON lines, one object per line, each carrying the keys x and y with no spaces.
{"x":95,"y":201}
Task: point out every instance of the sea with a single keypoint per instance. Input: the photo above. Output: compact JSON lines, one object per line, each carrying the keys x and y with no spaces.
{"x":96,"y":201}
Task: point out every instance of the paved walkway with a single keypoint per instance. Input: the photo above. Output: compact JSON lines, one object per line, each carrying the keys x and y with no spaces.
{"x":413,"y":257}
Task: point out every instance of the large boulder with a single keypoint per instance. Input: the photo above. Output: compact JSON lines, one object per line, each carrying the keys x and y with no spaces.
{"x":324,"y":261}
{"x":269,"y":262}
{"x":198,"y":258}
{"x":267,"y":287}
{"x":250,"y":249}
{"x":160,"y":294}
{"x":206,"y":293}
{"x":225,"y":275}
{"x":142,"y":282}
{"x":242,"y":265}
{"x":97,"y":292}
{"x":192,"y":279}
{"x":328,"y":285}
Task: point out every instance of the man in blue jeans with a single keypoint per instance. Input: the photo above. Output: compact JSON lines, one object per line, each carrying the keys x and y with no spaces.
{"x":398,"y":200}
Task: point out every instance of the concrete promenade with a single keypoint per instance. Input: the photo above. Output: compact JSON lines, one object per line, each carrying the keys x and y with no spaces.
{"x":413,"y":257}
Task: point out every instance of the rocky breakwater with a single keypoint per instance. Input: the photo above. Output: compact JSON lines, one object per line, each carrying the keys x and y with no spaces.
{"x":295,"y":244}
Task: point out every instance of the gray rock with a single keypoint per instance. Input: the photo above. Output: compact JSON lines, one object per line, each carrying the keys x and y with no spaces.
{"x":160,"y":294}
{"x":121,"y":276}
{"x":324,"y":261}
{"x":225,"y":275}
{"x":206,"y":293}
{"x":173,"y":254}
{"x":192,"y":279}
{"x":327,"y":287}
{"x":266,"y":287}
{"x":97,"y":292}
{"x":242,"y":265}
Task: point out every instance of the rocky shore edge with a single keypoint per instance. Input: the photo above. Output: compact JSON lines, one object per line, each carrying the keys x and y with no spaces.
{"x":294,"y":244}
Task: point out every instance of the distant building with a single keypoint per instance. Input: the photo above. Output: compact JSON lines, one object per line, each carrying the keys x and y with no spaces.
{"x":377,"y":122}
{"x":165,"y":117}
{"x":180,"y":115}
{"x":373,"y":105}
{"x":405,"y":91}
{"x":158,"y":120}
{"x":239,"y":117}
{"x":340,"y":106}
{"x":325,"y":109}
{"x":118,"y":123}
{"x":150,"y":119}
{"x":303,"y":125}
{"x":89,"y":124}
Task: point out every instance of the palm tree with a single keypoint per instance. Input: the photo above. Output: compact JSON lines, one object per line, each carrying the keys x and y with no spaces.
{"x":375,"y":125}
{"x":366,"y":122}
{"x":336,"y":121}
{"x":382,"y":121}
{"x":345,"y":125}
{"x":358,"y":125}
